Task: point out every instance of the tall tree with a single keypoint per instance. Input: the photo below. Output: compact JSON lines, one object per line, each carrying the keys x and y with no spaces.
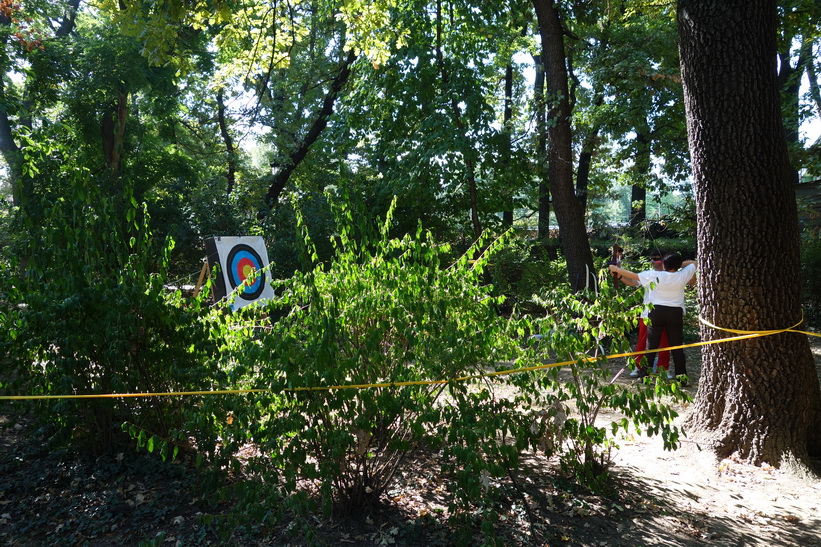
{"x":568,"y":208}
{"x":758,"y":398}
{"x":21,"y":41}
{"x":630,"y":57}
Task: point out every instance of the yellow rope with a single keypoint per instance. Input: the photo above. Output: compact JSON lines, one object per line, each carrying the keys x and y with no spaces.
{"x":740,"y":335}
{"x":747,"y":335}
{"x":760,"y":332}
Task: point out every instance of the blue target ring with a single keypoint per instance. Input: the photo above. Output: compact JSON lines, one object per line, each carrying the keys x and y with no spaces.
{"x":243,"y":263}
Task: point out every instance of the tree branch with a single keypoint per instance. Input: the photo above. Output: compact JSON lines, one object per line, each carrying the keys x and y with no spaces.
{"x":280,"y":179}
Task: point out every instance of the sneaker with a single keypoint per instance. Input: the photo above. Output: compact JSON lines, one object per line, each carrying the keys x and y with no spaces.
{"x":670,"y":375}
{"x":635,"y":373}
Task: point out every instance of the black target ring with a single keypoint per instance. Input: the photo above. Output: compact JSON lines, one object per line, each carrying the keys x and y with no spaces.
{"x":243,"y":263}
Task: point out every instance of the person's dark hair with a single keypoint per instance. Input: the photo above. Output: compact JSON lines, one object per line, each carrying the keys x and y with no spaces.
{"x":673,"y":262}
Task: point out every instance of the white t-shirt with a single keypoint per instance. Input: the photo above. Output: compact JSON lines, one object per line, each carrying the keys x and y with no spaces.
{"x":667,"y":287}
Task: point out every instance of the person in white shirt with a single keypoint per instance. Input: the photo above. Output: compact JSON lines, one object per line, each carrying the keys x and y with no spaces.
{"x":662,"y":359}
{"x":666,"y":294}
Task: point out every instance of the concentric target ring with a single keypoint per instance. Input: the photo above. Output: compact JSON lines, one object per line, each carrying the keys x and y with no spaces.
{"x":243,"y":261}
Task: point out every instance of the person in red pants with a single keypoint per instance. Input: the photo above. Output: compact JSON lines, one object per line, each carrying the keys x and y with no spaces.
{"x":663,"y":360}
{"x":664,"y":289}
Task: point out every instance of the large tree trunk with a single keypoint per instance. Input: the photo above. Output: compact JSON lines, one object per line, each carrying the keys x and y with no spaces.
{"x":757,"y":398}
{"x":569,"y":211}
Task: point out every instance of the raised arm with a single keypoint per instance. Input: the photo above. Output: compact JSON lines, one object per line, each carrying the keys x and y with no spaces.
{"x":625,"y":275}
{"x":692,"y":281}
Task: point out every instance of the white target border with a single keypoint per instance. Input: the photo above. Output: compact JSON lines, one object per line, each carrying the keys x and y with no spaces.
{"x":224,"y":246}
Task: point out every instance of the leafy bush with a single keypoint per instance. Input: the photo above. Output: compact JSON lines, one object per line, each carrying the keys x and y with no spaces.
{"x":347,"y":365}
{"x":521,"y":269}
{"x":91,"y":316}
{"x":384,"y":318}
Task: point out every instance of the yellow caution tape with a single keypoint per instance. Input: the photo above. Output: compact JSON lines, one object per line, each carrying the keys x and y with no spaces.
{"x":740,"y":335}
{"x":760,"y":332}
{"x":386,"y":384}
{"x":126,"y":395}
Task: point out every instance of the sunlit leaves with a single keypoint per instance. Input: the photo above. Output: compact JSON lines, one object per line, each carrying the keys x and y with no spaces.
{"x":373,"y":32}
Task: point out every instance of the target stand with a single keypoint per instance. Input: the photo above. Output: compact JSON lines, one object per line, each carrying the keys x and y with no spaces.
{"x":241,"y":261}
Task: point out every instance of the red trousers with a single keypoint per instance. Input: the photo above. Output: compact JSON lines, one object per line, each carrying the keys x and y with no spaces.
{"x":641,"y":345}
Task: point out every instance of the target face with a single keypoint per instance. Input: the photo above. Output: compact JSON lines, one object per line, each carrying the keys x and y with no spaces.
{"x":241,"y":262}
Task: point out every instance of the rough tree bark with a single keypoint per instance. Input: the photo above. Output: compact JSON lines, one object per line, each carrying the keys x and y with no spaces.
{"x":568,"y":208}
{"x":759,"y":398}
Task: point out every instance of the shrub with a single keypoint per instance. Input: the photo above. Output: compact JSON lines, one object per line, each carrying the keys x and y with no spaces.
{"x":348,"y":364}
{"x":521,"y":269}
{"x":388,"y":349}
{"x":91,"y":316}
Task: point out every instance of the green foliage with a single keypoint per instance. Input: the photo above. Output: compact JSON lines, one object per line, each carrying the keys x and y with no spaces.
{"x":521,"y":269}
{"x":88,"y":313}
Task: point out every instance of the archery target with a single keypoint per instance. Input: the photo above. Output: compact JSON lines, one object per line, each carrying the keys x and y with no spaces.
{"x":242,"y":265}
{"x":242,"y":275}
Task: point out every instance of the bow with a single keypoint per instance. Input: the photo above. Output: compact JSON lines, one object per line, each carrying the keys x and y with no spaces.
{"x":615,"y":259}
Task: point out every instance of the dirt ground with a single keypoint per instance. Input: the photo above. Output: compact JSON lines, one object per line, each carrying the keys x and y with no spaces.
{"x":711,"y":502}
{"x":681,"y":498}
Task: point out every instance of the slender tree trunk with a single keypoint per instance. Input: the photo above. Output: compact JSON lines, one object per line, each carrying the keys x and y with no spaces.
{"x":638,"y":192}
{"x":113,"y":131}
{"x":280,"y":178}
{"x":230,"y":150}
{"x":507,"y":214}
{"x":757,"y":398}
{"x":812,"y":78}
{"x":789,"y":79}
{"x":8,"y":148}
{"x":456,"y":112}
{"x":541,"y":151}
{"x":11,"y":152}
{"x":585,"y":161}
{"x":569,"y":212}
{"x":586,"y":158}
